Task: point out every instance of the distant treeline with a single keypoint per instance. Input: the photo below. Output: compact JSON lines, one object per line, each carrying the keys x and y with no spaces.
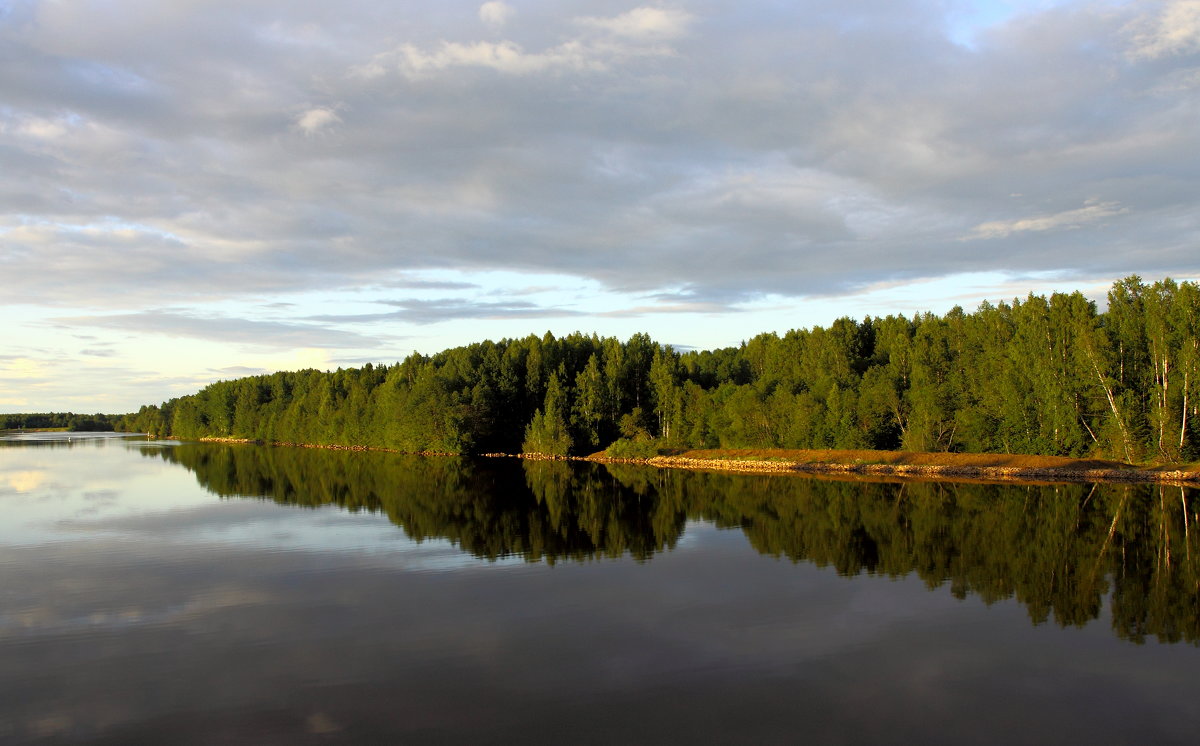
{"x":1043,"y":375}
{"x":62,"y":420}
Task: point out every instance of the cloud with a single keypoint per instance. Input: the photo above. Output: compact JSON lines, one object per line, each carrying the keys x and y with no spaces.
{"x":1092,"y":212}
{"x":410,"y":284}
{"x":448,"y":309}
{"x":185,"y":153}
{"x":644,"y":22}
{"x":639,"y":311}
{"x":608,"y":42}
{"x":1175,"y":30}
{"x":257,"y":334}
{"x":496,"y":14}
{"x":65,"y":382}
{"x":314,"y":120}
{"x":504,"y":57}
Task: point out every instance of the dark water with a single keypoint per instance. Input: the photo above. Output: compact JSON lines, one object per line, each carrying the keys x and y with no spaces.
{"x":164,"y":593}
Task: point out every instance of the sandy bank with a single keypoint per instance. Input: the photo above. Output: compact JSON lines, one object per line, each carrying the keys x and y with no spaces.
{"x":981,"y":466}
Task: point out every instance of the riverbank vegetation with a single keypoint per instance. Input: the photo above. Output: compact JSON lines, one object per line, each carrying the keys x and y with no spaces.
{"x":1048,"y":376}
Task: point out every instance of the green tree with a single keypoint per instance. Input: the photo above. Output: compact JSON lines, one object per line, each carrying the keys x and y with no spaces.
{"x":547,"y":432}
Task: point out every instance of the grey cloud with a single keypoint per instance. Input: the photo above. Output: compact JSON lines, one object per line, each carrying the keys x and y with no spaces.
{"x":268,"y":334}
{"x":448,"y":309}
{"x":429,"y":285}
{"x":172,"y":151}
{"x":679,"y":307}
{"x":98,"y":353}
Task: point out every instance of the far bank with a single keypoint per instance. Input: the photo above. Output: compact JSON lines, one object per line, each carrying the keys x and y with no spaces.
{"x":921,"y":465}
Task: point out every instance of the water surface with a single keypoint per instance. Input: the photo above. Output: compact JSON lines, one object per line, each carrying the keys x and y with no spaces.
{"x":159,"y":592}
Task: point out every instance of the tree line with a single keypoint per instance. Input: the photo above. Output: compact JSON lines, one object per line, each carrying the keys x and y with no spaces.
{"x":62,"y":421}
{"x":1039,"y":375}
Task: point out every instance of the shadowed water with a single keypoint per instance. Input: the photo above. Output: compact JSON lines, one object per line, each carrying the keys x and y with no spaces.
{"x":159,"y":592}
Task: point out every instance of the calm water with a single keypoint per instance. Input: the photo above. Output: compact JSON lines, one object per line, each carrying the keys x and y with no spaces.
{"x":162,"y":593}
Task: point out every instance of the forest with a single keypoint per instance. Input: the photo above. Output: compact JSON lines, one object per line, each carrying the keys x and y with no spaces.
{"x":1040,"y":375}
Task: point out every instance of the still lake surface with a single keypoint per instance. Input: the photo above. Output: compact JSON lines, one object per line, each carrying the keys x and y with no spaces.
{"x":161,"y":592}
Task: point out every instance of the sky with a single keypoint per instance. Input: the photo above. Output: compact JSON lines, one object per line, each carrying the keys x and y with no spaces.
{"x":206,"y":189}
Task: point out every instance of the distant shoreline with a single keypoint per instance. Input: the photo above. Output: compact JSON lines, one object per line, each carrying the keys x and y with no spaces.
{"x":19,"y":430}
{"x":903,"y":464}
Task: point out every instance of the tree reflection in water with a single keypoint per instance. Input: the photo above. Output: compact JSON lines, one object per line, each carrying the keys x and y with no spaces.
{"x":1060,"y":550}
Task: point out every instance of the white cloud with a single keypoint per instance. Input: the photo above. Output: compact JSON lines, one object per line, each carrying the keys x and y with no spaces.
{"x":508,"y":57}
{"x":496,"y":14}
{"x":314,"y":120}
{"x":642,"y":23}
{"x":41,"y":129}
{"x":637,"y":34}
{"x":505,"y":56}
{"x":1090,"y":213}
{"x":1173,"y":31}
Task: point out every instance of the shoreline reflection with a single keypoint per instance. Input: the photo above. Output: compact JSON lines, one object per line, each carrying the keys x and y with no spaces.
{"x":1060,"y":550}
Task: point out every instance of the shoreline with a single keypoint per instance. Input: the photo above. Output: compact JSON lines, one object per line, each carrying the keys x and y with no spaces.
{"x":1004,"y":468}
{"x":947,"y":472}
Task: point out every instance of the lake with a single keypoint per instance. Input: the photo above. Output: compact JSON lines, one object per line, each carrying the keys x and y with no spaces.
{"x":163,"y":592}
